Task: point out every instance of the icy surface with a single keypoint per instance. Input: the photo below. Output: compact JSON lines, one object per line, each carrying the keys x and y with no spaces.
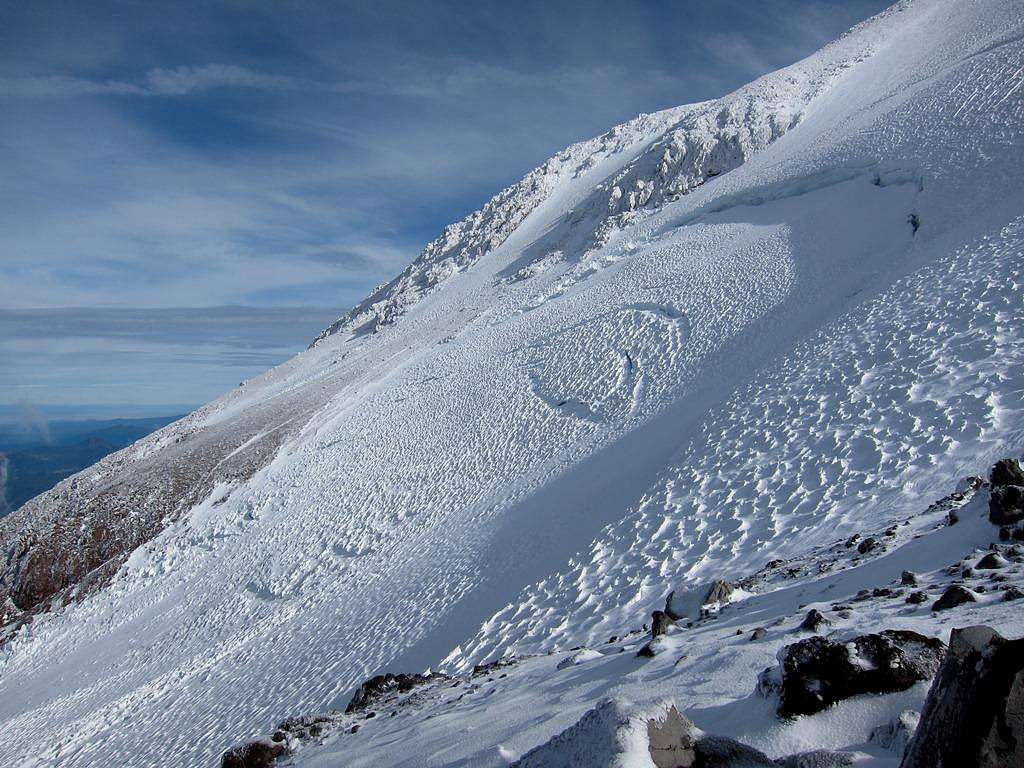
{"x":574,"y":401}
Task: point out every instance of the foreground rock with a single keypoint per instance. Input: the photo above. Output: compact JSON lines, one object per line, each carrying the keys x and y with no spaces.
{"x":255,"y":754}
{"x":815,"y":673}
{"x":616,"y":734}
{"x":974,"y":714}
{"x":954,"y":596}
{"x":1006,"y":501}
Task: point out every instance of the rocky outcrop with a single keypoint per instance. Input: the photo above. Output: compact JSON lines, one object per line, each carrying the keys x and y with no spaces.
{"x":815,"y":673}
{"x":256,"y":754}
{"x":1006,"y":500}
{"x":974,"y":713}
{"x":377,"y":687}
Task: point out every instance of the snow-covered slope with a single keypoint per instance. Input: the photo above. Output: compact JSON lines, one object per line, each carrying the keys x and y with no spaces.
{"x":717,"y":335}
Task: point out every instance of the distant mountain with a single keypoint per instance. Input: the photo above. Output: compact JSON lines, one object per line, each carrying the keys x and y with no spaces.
{"x":30,"y":465}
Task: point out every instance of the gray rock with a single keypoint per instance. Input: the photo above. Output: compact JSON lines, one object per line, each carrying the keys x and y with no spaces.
{"x":974,"y":713}
{"x":953,"y":596}
{"x":758,"y":634}
{"x":908,"y":579}
{"x":719,"y":592}
{"x":1012,"y":592}
{"x":671,"y":741}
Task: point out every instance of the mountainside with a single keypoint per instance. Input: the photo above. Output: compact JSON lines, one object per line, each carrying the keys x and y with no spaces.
{"x":718,"y":335}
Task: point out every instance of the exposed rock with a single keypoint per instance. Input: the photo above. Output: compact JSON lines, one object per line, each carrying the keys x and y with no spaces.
{"x":818,"y":758}
{"x":376,"y":687}
{"x":908,"y":579}
{"x":897,"y":733}
{"x":690,"y":603}
{"x":968,"y":485}
{"x":953,"y":596}
{"x":867,"y":545}
{"x":671,"y":740}
{"x":918,"y":597}
{"x":758,"y":634}
{"x":723,"y":752}
{"x":256,"y":754}
{"x":991,"y":562}
{"x":1006,"y":472}
{"x":967,"y":573}
{"x":852,"y":540}
{"x":817,"y":672}
{"x":660,"y":623}
{"x":650,"y":649}
{"x":1006,"y":505}
{"x":814,"y":621}
{"x":1012,"y":593}
{"x":974,"y":713}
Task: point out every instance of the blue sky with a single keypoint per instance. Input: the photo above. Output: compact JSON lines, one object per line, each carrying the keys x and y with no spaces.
{"x":294,"y":154}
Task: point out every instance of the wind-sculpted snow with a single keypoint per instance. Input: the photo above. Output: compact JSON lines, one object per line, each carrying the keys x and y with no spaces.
{"x":607,"y":404}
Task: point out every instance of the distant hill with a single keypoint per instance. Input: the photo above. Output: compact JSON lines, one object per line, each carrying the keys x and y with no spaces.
{"x":31,"y":462}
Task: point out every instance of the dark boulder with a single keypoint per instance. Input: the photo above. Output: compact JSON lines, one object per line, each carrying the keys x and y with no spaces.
{"x":723,"y":752}
{"x":815,"y":673}
{"x":990,"y":562}
{"x":974,"y":713}
{"x":1006,"y":505}
{"x":1012,"y":593}
{"x":255,"y":754}
{"x":1007,"y":472}
{"x":954,"y":595}
{"x":908,"y":579}
{"x":758,"y":634}
{"x":918,"y":597}
{"x":818,"y":758}
{"x":814,"y":621}
{"x":660,"y":622}
{"x":867,"y":545}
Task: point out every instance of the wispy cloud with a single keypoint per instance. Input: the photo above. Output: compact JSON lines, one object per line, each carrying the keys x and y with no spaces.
{"x":179,"y":81}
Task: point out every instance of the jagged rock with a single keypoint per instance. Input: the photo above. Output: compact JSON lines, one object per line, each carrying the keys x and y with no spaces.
{"x":953,"y":596}
{"x":490,"y":666}
{"x":1004,"y":533}
{"x":918,"y":597}
{"x":374,"y":688}
{"x":974,"y":713}
{"x":818,"y":758}
{"x":758,"y":634}
{"x":256,"y":754}
{"x":1006,"y":505}
{"x":990,"y":562}
{"x":897,"y":733}
{"x":815,"y":673}
{"x":967,"y":573}
{"x":908,"y":579}
{"x":867,"y":545}
{"x":1006,"y":472}
{"x":671,"y":741}
{"x":660,"y":623}
{"x":814,"y":621}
